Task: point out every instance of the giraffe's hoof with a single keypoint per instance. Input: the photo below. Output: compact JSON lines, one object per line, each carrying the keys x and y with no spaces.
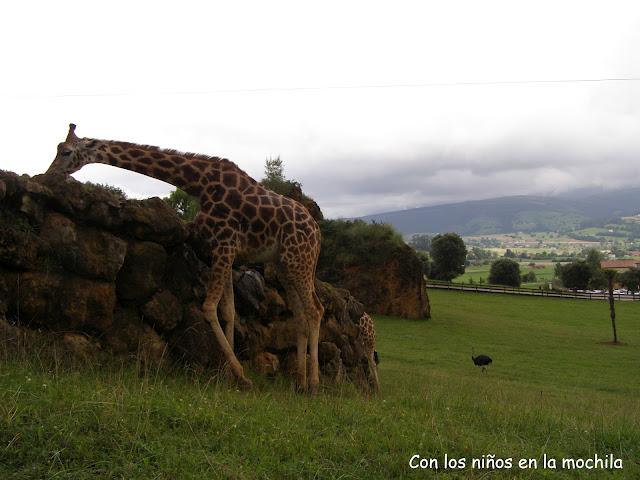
{"x":244,"y":383}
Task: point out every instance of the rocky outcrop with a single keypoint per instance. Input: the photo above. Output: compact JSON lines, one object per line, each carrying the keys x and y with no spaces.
{"x":396,"y":287}
{"x":374,"y":264}
{"x":124,"y":276}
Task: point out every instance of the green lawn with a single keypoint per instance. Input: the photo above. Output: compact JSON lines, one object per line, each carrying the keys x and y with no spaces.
{"x":553,"y":388}
{"x":480,"y":273}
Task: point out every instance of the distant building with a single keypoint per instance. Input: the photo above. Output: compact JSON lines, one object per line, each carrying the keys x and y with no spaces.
{"x":621,"y":265}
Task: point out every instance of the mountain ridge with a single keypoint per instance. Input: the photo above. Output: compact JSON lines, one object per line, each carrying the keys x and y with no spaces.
{"x":525,"y":213}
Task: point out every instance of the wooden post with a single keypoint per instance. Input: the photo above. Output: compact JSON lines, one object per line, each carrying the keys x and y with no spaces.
{"x":611,"y":278}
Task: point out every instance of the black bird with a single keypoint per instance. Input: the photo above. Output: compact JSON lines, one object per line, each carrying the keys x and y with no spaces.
{"x":481,"y":360}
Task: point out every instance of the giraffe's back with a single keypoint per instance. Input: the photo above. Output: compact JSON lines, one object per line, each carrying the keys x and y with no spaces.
{"x":264,"y":227}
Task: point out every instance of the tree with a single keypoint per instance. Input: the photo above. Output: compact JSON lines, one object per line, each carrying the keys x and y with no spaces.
{"x":529,"y":277}
{"x":557,"y":270}
{"x":575,"y":275}
{"x":186,"y":206}
{"x":611,"y":276}
{"x":274,"y":178}
{"x":598,"y":280}
{"x":509,"y":254}
{"x":448,"y":253}
{"x":618,"y":251}
{"x":630,"y":279}
{"x":478,"y":254}
{"x":594,"y":257}
{"x":273,"y":170}
{"x":505,"y":272}
{"x":426,"y":262}
{"x":420,"y":242}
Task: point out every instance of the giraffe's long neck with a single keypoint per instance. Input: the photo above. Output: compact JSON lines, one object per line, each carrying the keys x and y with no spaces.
{"x":185,"y":171}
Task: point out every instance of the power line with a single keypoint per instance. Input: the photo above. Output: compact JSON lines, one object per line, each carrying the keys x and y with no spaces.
{"x":339,"y":87}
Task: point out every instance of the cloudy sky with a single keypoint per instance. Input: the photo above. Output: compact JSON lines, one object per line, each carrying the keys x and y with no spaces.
{"x":373,"y":106}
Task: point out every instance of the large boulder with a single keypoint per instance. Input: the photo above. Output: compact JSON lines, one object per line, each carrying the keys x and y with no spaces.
{"x":18,"y":240}
{"x":59,"y":301}
{"x":153,"y":219}
{"x":163,"y":311}
{"x":89,"y":252}
{"x":142,"y":271}
{"x":129,"y":277}
{"x":194,"y":341}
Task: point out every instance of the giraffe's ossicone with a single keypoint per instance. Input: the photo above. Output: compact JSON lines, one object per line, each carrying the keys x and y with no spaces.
{"x":238,"y":217}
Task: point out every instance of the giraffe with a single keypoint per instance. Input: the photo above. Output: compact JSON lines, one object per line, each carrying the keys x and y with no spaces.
{"x":367,"y":336}
{"x":238,"y":216}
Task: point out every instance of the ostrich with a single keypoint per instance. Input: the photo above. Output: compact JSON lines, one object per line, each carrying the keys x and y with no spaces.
{"x":481,"y":360}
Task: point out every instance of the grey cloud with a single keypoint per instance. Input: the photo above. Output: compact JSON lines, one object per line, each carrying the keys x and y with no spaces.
{"x":392,"y":183}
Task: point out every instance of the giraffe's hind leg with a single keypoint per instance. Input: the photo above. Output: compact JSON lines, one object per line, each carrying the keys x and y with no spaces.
{"x":313,"y":311}
{"x":221,"y":271}
{"x":373,"y":373}
{"x":228,"y":309}
{"x":308,"y":314}
{"x":297,"y":271}
{"x":302,"y":330}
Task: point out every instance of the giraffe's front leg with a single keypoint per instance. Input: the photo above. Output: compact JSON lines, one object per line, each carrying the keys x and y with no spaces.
{"x":221,"y":270}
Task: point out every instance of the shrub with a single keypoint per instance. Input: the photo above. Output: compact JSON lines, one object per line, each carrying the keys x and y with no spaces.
{"x":347,"y":243}
{"x":505,"y":272}
{"x":109,"y":188}
{"x":576,"y":275}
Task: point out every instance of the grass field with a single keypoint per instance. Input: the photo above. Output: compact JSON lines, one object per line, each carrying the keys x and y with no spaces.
{"x":478,"y":273}
{"x":553,"y":389}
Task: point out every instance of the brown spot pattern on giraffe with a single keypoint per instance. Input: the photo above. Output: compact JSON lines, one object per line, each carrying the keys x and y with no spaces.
{"x":233,"y":199}
{"x":191,"y":175}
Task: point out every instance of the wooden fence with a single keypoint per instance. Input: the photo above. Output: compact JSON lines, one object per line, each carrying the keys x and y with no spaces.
{"x":539,"y":292}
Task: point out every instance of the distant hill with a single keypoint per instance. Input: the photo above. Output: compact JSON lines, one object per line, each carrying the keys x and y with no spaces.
{"x":524,"y":213}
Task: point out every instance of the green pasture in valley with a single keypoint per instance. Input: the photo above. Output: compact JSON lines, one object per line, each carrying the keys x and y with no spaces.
{"x":554,"y":389}
{"x":480,"y":273}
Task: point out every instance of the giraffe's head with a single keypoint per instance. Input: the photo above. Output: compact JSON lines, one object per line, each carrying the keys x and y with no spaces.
{"x":72,"y":154}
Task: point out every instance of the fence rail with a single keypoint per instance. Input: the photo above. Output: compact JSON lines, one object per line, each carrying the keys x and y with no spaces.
{"x":467,"y":287}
